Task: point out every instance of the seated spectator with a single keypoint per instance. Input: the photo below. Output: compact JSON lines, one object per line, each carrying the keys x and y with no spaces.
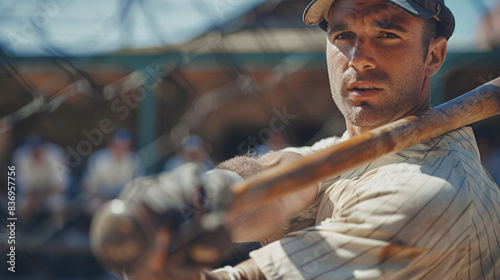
{"x":191,"y":150}
{"x":109,"y":169}
{"x":41,"y":181}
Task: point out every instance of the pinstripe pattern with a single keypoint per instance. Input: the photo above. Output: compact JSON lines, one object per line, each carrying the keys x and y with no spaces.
{"x":428,"y":212}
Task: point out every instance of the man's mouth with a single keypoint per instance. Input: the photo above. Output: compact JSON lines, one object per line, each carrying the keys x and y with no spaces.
{"x":364,"y":88}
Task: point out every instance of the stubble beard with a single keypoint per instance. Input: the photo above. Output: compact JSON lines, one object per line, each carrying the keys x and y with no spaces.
{"x":401,"y":96}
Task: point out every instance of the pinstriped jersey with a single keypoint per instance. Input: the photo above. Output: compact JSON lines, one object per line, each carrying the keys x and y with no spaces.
{"x":428,"y":212}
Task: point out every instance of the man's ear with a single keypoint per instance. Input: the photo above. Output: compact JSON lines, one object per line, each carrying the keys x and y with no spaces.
{"x":436,"y":55}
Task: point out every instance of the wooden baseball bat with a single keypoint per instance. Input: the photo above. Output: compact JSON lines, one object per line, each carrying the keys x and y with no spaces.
{"x":478,"y":104}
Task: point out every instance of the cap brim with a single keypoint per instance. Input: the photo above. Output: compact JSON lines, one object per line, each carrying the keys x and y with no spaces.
{"x":317,"y":11}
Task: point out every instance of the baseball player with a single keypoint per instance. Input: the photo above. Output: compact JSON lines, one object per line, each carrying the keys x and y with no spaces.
{"x":428,"y":212}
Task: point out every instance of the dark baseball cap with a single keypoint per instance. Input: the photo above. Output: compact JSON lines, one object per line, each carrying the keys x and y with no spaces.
{"x":317,"y":11}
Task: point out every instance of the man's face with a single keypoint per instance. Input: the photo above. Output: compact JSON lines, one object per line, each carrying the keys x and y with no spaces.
{"x":375,"y":62}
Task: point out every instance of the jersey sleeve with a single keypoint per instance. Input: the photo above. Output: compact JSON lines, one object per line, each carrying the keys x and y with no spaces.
{"x":393,"y":225}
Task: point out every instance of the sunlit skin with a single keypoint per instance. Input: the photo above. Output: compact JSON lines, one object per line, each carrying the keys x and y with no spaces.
{"x":372,"y":43}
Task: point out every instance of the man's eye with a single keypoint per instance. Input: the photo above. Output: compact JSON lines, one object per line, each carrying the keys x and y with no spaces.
{"x":389,"y":35}
{"x":344,"y":36}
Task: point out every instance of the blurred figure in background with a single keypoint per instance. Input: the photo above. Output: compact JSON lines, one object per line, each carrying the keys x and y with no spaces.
{"x":493,"y":164}
{"x":489,"y":147}
{"x":489,"y":150}
{"x":276,"y":142}
{"x":191,"y":150}
{"x":41,"y":180}
{"x":109,"y":169}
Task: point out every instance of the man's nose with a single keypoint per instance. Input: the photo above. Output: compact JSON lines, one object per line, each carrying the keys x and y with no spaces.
{"x":361,"y":55}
